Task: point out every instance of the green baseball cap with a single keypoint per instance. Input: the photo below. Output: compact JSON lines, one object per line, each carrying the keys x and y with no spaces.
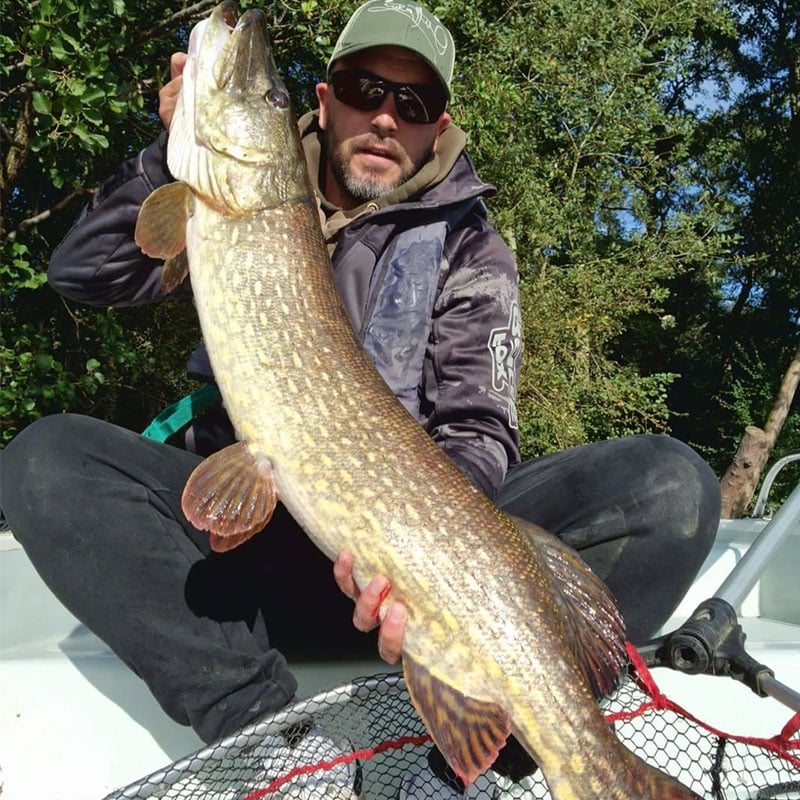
{"x":399,"y":23}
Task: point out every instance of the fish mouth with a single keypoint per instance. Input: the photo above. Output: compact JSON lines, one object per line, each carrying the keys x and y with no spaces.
{"x":234,"y":52}
{"x":246,"y":65}
{"x":233,"y":132}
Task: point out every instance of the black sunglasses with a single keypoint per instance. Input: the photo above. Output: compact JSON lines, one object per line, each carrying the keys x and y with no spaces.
{"x":420,"y":103}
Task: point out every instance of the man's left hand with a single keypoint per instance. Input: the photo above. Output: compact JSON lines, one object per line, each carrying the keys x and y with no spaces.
{"x":367,"y":614}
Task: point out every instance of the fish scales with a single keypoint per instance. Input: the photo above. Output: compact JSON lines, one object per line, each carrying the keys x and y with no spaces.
{"x":505,"y":626}
{"x":262,"y":372}
{"x":383,"y":536}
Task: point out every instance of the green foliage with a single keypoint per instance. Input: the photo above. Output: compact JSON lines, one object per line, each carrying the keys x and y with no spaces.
{"x":111,"y":364}
{"x":571,"y":390}
{"x":79,"y":82}
{"x":79,"y":90}
{"x":34,"y":382}
{"x":569,"y":112}
{"x":745,"y":320}
{"x":646,"y":161}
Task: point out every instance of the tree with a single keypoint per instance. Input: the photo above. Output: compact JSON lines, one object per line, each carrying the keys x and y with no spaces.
{"x":741,"y":478}
{"x":745,"y":321}
{"x":78,"y":89}
{"x":570,"y":112}
{"x":79,"y":94}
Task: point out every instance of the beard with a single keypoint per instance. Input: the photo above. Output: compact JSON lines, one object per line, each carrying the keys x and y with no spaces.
{"x":370,"y":184}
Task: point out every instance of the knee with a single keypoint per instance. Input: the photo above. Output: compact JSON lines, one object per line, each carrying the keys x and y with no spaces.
{"x":34,"y":450}
{"x":686,"y":487}
{"x":37,"y":467}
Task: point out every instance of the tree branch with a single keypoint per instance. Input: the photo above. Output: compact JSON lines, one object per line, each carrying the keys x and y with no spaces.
{"x":19,"y":146}
{"x":739,"y":482}
{"x":179,"y":16}
{"x":43,"y":215}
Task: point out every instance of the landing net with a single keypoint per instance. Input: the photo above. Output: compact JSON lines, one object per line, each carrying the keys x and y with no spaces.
{"x":365,"y":740}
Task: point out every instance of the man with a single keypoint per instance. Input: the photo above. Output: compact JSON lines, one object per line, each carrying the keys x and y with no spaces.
{"x":97,"y":508}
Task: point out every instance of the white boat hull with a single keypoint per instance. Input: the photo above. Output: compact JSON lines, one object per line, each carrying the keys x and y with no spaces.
{"x":75,"y":723}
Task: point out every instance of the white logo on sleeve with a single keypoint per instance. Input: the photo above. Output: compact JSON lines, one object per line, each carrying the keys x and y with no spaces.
{"x":505,"y":345}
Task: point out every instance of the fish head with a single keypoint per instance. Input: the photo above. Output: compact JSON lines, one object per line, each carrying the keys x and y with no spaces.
{"x":233,"y":137}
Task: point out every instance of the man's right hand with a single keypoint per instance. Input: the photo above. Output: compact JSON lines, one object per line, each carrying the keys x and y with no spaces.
{"x":168,"y":96}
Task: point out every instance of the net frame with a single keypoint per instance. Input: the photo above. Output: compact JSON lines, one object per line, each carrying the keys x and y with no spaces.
{"x":377,"y":729}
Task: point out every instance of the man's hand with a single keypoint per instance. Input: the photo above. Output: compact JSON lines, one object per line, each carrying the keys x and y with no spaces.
{"x":368,"y":608}
{"x":168,"y":95}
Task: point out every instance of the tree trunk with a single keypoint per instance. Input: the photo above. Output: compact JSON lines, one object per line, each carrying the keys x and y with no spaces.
{"x":739,"y":482}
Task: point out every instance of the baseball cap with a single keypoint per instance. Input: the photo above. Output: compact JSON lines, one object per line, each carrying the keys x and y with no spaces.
{"x":399,"y":23}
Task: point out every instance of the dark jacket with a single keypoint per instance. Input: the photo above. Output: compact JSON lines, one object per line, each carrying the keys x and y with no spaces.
{"x":459,"y":375}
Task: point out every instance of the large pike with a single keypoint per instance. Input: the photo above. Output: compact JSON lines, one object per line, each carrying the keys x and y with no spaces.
{"x":508,"y":631}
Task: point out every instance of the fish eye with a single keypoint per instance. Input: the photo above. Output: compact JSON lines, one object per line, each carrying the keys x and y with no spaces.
{"x":278,"y":98}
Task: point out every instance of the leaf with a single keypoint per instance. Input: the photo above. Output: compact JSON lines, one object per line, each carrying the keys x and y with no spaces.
{"x":38,"y":34}
{"x":92,"y":115}
{"x":72,"y":105}
{"x":44,"y":361}
{"x":82,"y":132}
{"x":71,"y":40}
{"x":77,"y":88}
{"x":93,"y":95}
{"x":41,"y":103}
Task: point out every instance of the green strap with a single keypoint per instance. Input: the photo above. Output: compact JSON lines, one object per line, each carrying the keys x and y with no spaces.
{"x":174,"y":417}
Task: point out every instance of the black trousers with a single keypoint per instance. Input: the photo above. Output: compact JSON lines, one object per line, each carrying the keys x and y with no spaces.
{"x":97,"y":509}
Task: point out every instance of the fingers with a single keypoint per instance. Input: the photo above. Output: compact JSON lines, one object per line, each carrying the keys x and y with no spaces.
{"x":167,"y":100}
{"x":177,"y":61}
{"x":368,"y":603}
{"x":368,"y":612}
{"x":366,"y":615}
{"x":390,"y":636}
{"x":343,"y":573}
{"x":168,"y":95}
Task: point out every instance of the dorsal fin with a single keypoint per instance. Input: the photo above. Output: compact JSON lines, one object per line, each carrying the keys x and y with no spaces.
{"x":594,"y":627}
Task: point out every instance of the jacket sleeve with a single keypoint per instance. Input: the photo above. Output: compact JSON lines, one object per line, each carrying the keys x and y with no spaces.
{"x":470,"y":382}
{"x":98,"y":262}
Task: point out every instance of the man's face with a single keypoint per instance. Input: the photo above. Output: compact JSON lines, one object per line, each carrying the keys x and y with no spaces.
{"x":369,"y":153}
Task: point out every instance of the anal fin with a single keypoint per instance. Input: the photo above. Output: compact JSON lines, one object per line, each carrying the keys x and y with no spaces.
{"x":469,"y":732}
{"x":231,"y":494}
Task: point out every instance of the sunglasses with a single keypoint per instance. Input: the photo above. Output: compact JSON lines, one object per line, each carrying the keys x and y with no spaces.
{"x":419,"y":103}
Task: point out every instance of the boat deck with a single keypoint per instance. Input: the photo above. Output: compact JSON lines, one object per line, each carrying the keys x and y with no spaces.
{"x":76,"y":724}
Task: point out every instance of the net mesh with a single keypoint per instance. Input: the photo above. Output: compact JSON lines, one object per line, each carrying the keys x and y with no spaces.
{"x":365,"y":740}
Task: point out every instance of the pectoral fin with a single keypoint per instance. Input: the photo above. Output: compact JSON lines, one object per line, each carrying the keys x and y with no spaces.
{"x":175,"y":272}
{"x":594,"y":627}
{"x":161,"y":230}
{"x":468,"y":732}
{"x":231,"y":494}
